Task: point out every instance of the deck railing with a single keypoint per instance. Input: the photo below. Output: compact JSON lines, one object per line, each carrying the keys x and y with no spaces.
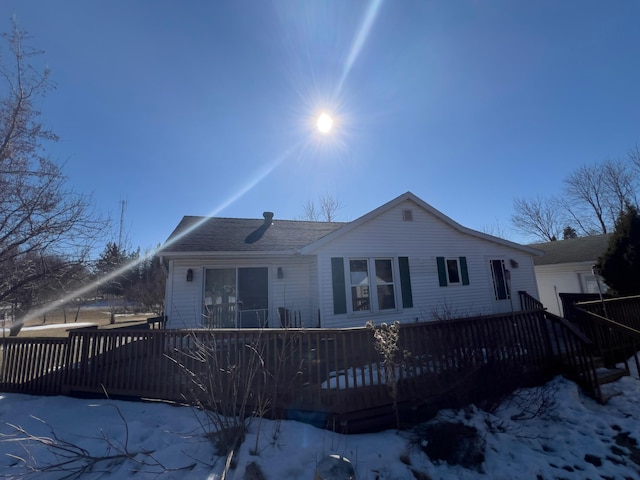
{"x":575,"y":352}
{"x":625,"y":310}
{"x":613,"y":325}
{"x":333,"y":372}
{"x":32,"y":366}
{"x":528,"y":302}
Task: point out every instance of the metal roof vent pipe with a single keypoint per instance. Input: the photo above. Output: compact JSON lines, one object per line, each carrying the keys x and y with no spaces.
{"x":268,"y":217}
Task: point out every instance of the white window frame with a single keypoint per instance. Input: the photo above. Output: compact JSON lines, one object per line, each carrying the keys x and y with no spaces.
{"x":373,"y":284}
{"x":352,"y":285}
{"x":458,"y":268}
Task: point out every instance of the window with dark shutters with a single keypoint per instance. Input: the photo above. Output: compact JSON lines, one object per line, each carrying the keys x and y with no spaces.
{"x":371,"y":284}
{"x":452,"y":271}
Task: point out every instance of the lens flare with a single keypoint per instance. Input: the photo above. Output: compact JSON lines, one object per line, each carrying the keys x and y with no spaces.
{"x":336,"y":124}
{"x":360,"y":38}
{"x":251,"y":183}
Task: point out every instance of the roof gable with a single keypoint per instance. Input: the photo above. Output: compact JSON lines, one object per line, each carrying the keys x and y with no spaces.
{"x":420,"y":204}
{"x":209,"y":235}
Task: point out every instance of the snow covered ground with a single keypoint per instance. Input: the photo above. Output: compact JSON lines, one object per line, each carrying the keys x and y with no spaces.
{"x":572,"y":437}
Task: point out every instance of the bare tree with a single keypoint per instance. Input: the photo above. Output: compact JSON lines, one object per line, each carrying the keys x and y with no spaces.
{"x":597,"y":194}
{"x":633,"y":158}
{"x":496,"y":229}
{"x":539,"y":217}
{"x":585,"y":199}
{"x":620,"y":184}
{"x":593,"y":197}
{"x":40,"y":219}
{"x":325,"y":211}
{"x":309,"y":212}
{"x":148,"y":290}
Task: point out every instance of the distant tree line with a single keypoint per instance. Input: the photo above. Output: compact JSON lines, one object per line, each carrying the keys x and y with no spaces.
{"x":46,"y":229}
{"x":126,"y":275}
{"x":592,"y":199}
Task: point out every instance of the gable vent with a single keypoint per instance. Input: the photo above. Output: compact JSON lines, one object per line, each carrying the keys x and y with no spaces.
{"x":407,"y":215}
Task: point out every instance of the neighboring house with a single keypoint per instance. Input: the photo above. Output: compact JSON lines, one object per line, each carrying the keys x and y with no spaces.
{"x":403,"y":261}
{"x":566,"y":266}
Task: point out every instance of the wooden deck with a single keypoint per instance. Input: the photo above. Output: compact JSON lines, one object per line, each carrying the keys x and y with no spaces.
{"x":323,"y":376}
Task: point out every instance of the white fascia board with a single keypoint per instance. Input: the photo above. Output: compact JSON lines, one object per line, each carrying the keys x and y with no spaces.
{"x":501,"y":241}
{"x":289,"y":253}
{"x":422,"y":204}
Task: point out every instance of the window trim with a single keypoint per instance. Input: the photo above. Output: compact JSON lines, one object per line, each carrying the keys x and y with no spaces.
{"x":374,"y":305}
{"x":393,"y":282}
{"x":443,"y":271}
{"x":352,"y":285}
{"x":448,"y":272}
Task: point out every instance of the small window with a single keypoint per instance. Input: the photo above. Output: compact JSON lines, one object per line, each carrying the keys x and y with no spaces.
{"x":453,"y":270}
{"x":407,"y":215}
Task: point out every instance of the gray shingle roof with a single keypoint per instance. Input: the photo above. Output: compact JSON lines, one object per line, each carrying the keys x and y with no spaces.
{"x":572,"y":250}
{"x":212,"y":234}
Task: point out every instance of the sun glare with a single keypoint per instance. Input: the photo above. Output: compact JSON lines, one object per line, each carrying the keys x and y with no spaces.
{"x":325,"y":122}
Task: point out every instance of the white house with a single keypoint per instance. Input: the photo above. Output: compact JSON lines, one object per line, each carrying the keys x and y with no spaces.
{"x":403,"y":261}
{"x":566,"y":266}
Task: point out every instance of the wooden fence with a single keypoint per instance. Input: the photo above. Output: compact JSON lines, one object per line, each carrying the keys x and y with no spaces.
{"x":319,"y":375}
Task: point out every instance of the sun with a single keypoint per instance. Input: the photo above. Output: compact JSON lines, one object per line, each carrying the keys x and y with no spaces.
{"x":325,"y":122}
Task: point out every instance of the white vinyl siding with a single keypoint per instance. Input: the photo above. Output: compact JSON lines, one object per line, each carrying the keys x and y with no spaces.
{"x":292,"y":291}
{"x":562,"y":278}
{"x":422,"y":241}
{"x":307,"y":284}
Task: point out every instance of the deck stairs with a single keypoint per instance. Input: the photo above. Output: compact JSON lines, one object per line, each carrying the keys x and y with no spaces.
{"x":608,"y":374}
{"x":604,"y":374}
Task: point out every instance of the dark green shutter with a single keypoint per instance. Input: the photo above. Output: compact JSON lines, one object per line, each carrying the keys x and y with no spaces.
{"x":339,"y":292}
{"x":405,"y":282}
{"x":465,"y":272}
{"x":442,"y":271}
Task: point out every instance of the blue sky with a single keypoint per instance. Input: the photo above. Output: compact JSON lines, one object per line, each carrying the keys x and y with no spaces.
{"x":207,"y":108}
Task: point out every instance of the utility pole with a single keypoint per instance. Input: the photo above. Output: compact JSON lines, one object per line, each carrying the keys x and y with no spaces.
{"x":123,"y":205}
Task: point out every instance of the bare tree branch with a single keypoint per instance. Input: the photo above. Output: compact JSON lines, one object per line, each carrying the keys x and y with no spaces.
{"x":634,"y":157}
{"x":596,"y":195}
{"x":539,"y":218}
{"x":46,"y":229}
{"x":309,"y":212}
{"x":586,"y":191}
{"x":325,"y":211}
{"x":72,"y":461}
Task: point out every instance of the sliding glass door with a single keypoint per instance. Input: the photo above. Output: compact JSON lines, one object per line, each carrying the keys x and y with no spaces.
{"x":236,"y":297}
{"x":253,"y":297}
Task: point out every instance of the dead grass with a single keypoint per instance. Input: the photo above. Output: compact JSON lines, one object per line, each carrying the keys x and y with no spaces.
{"x":58,"y":328}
